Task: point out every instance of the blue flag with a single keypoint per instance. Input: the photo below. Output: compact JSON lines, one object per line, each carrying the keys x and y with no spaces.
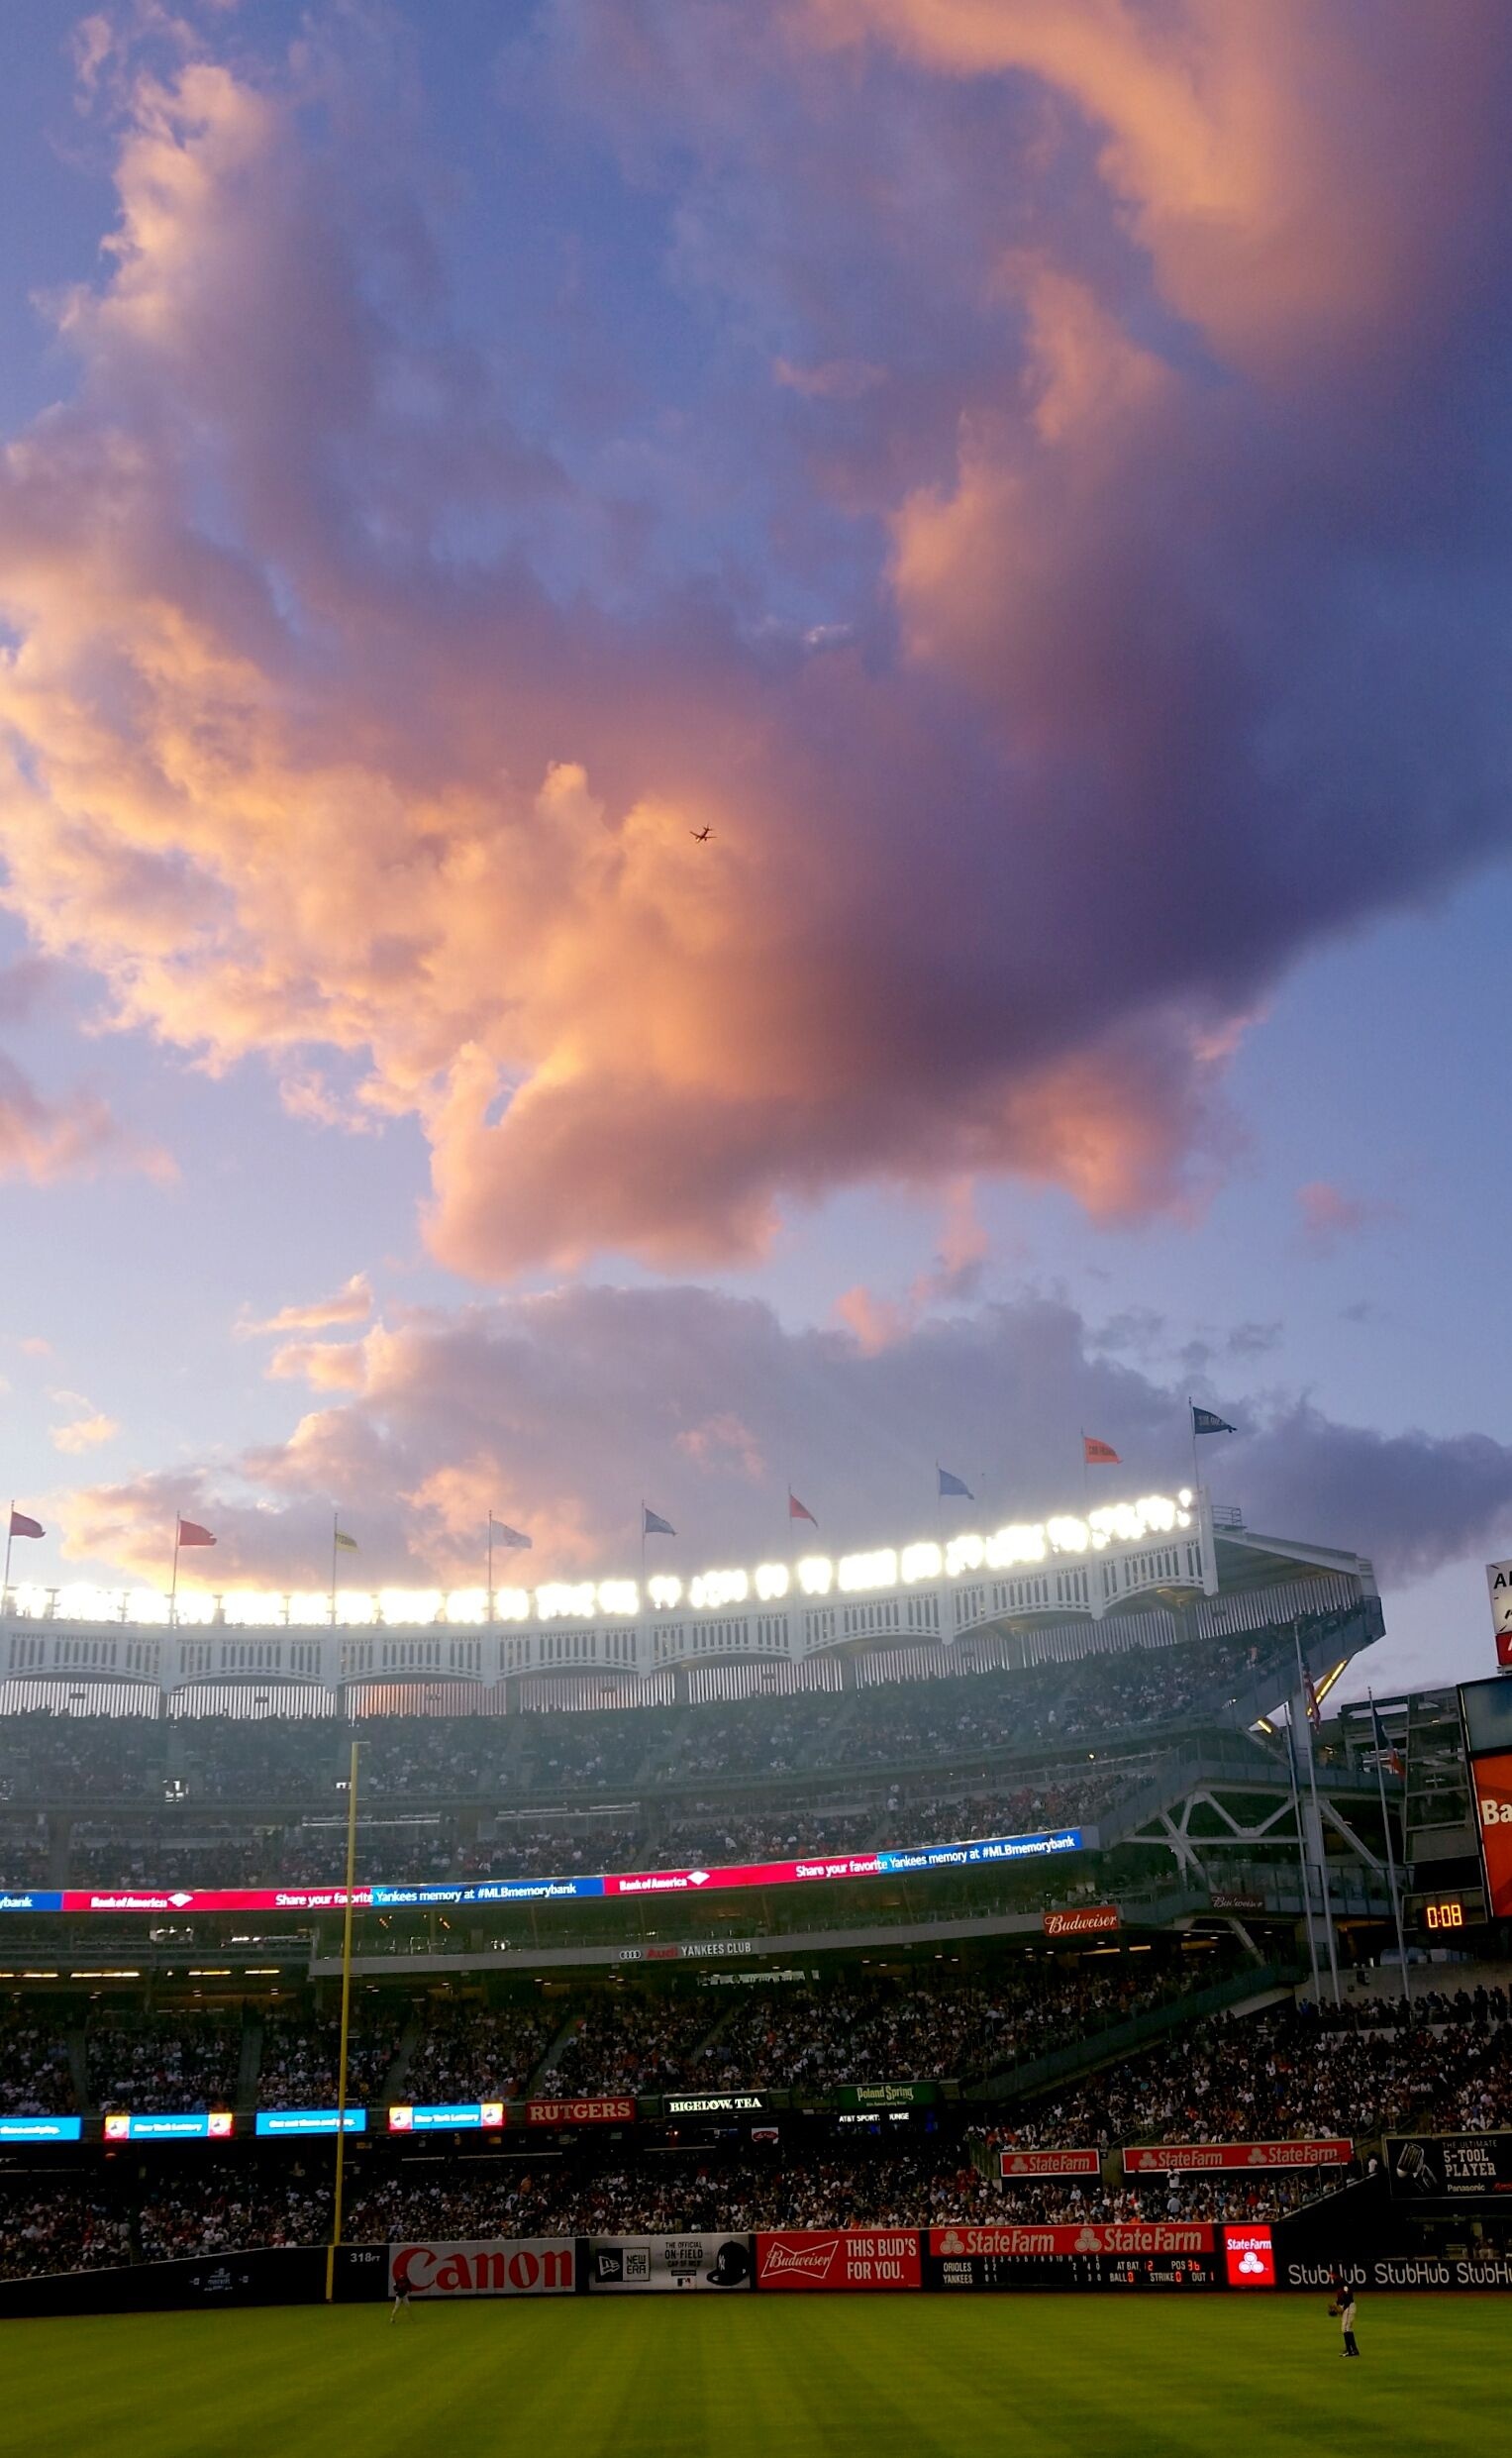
{"x":1205,"y":1422}
{"x":954,"y":1484}
{"x":651,"y":1526}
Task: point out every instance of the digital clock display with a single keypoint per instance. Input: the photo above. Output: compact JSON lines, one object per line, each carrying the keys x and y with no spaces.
{"x":1445,"y":1915}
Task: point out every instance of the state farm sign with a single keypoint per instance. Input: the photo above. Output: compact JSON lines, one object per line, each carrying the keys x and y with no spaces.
{"x":1049,"y":2163}
{"x":509,"y":2266}
{"x":1083,"y":1921}
{"x":806,"y":2259}
{"x":1187,"y":2158}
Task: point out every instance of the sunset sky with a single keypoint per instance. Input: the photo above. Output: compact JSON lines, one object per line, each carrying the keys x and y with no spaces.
{"x":1031,"y":476}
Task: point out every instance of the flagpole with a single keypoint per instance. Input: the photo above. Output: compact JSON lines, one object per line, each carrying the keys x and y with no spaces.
{"x":1191,"y":1411}
{"x":336,"y":1521}
{"x":1385,"y":1819}
{"x":1312,"y":1786}
{"x":490,"y":1566}
{"x":1302,"y":1860}
{"x":341,"y":2077}
{"x":10,"y":1538}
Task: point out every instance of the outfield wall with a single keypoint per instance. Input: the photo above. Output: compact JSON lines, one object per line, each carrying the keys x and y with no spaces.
{"x":1141,"y":2256}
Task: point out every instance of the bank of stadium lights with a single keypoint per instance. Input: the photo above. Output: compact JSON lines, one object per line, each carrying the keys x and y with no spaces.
{"x":1022,"y":1545}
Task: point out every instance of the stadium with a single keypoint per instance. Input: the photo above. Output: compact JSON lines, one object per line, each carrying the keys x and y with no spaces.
{"x":1009,"y":1914}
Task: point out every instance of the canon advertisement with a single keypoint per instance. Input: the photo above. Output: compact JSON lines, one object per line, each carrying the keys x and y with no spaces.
{"x":1132,"y":2253}
{"x":518,"y":2265}
{"x":802,"y":2261}
{"x":1449,"y":2166}
{"x":620,"y":2264}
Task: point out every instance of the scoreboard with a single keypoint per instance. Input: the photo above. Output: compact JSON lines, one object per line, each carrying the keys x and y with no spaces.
{"x":1143,"y":2256}
{"x":1444,"y":1914}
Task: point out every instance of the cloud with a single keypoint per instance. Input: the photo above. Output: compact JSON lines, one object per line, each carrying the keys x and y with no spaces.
{"x":558,"y":1411}
{"x":327,"y":1364}
{"x":350,"y":1303}
{"x":1046,"y":699}
{"x":44,"y":1141}
{"x":83,"y":1433}
{"x":1329,"y":1216}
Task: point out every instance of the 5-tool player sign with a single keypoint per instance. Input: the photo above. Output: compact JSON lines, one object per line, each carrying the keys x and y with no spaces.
{"x":806,"y":2259}
{"x":522,"y":2266}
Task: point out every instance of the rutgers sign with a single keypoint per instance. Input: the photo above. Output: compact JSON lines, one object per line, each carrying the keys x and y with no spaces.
{"x":518,"y":2265}
{"x":579,"y":2112}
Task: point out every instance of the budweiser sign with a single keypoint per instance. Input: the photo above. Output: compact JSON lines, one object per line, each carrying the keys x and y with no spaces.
{"x":1081,"y":1922}
{"x":1118,"y":2236}
{"x":1049,"y":2163}
{"x":806,"y":2259}
{"x":1183,"y":2158}
{"x":579,"y":2112}
{"x":521,"y":2266}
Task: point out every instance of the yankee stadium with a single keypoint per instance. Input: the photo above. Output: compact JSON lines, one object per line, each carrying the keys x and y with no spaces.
{"x":756,"y":1622}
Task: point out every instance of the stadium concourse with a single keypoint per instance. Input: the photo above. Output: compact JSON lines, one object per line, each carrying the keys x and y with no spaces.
{"x":910,"y":1930}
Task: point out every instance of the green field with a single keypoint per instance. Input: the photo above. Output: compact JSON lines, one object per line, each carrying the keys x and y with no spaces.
{"x":783,"y":2376}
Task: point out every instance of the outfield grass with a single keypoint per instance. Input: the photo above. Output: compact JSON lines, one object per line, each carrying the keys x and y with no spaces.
{"x":670,"y":2377}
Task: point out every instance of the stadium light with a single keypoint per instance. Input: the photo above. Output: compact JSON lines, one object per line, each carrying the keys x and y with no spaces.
{"x":1020,"y":1544}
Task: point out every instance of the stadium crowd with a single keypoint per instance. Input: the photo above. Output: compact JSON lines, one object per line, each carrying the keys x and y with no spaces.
{"x":282,"y":1761}
{"x":1290,"y":2075}
{"x":172,"y":2063}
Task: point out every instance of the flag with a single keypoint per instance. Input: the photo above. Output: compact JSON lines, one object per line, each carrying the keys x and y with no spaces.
{"x":954,"y":1484}
{"x":1386,"y":1751}
{"x":1205,"y":1422}
{"x":800,"y":1510}
{"x":653,"y":1525}
{"x":1099,"y":1454}
{"x":346,"y":1543}
{"x":513,"y":1538}
{"x":191,"y":1533}
{"x":1314,"y":1711}
{"x":21,"y":1525}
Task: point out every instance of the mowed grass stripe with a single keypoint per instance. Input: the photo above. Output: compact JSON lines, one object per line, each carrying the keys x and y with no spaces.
{"x":747,"y":2377}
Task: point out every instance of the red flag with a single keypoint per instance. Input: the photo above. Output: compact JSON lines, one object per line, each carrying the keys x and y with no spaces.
{"x":191,"y":1534}
{"x":1394,"y":1766}
{"x":800,"y":1510}
{"x":1099,"y":1454}
{"x":21,"y":1525}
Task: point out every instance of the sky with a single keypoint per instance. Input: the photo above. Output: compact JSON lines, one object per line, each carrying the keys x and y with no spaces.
{"x":1030,"y":479}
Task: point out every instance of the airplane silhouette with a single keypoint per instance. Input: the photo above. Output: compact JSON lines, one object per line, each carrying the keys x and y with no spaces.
{"x":700,"y":836}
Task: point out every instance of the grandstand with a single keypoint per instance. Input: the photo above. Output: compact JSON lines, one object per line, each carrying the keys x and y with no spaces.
{"x":809,"y":1910}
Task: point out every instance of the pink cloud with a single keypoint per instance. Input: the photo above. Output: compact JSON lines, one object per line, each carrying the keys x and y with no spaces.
{"x":724,"y":1441}
{"x":44,"y":1140}
{"x":1132,"y":691}
{"x":325,"y":1365}
{"x":350,"y":1303}
{"x":1329,"y":1215}
{"x":84,"y":1433}
{"x":558,"y":1411}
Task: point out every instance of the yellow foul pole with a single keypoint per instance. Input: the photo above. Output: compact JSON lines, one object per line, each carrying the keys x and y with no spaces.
{"x":341,"y":2077}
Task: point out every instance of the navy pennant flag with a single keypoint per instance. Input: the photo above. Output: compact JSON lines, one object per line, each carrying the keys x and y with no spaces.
{"x":651,"y":1524}
{"x":1204,"y":1421}
{"x":954,"y":1484}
